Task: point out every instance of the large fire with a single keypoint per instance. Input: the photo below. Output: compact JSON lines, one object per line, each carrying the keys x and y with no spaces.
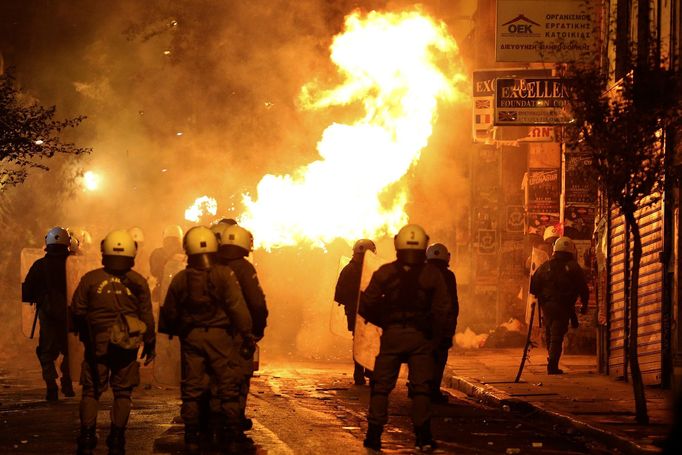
{"x":202,"y":205}
{"x":397,"y":66}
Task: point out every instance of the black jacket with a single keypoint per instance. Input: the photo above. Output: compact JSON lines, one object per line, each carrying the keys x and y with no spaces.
{"x":45,"y":285}
{"x":415,"y":296}
{"x":558,"y":283}
{"x":251,"y":290}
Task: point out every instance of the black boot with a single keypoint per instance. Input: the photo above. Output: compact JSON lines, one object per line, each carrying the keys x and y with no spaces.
{"x":67,"y":388}
{"x":192,"y":439}
{"x":116,"y":440}
{"x":373,"y":438}
{"x":553,"y":366}
{"x":87,"y":441}
{"x":424,"y":440}
{"x":235,"y":442}
{"x":52,"y":393}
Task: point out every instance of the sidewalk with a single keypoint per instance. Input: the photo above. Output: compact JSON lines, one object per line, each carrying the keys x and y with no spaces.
{"x":581,"y":399}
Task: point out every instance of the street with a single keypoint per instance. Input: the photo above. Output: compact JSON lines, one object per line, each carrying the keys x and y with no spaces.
{"x":297,"y":407}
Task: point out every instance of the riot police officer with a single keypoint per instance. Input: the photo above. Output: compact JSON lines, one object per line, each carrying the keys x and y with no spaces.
{"x":235,"y":244}
{"x":204,"y":306}
{"x":45,"y":286}
{"x":557,"y":284}
{"x":172,"y":245}
{"x":438,"y":255}
{"x":348,"y":290}
{"x":112,"y":313}
{"x":408,"y":299}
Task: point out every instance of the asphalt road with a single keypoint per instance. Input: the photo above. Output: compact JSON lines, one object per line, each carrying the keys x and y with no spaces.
{"x":297,"y":408}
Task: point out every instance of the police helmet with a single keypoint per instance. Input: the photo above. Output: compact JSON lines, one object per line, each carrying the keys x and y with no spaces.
{"x":363,"y":245}
{"x":172,"y":230}
{"x":438,"y":251}
{"x":564,"y":245}
{"x":118,"y":250}
{"x":58,"y":236}
{"x":200,"y":240}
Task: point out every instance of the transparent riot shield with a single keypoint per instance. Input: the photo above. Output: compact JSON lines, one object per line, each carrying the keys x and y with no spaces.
{"x":367,"y":339}
{"x":538,"y":257}
{"x":28,"y":311}
{"x":167,"y":361}
{"x":338,"y":324}
{"x":76,"y":267}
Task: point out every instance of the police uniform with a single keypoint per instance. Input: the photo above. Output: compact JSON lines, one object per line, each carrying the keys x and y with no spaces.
{"x":441,"y":351}
{"x":45,"y":285}
{"x":346,"y":293}
{"x":254,"y":297}
{"x":410,"y":303}
{"x":206,"y":309}
{"x":557,"y":284}
{"x":99,"y":300}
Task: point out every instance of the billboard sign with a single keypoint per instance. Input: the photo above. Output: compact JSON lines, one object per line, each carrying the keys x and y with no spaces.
{"x":531,"y":101}
{"x":546,"y":30}
{"x":484,"y":95}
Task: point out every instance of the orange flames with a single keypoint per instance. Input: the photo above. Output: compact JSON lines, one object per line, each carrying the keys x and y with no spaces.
{"x":202,"y":205}
{"x":397,"y":66}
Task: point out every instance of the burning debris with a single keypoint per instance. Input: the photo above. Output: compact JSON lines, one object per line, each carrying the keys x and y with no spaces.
{"x":202,"y":205}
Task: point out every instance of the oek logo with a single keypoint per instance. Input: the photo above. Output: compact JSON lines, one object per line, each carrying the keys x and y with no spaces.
{"x":520,"y":25}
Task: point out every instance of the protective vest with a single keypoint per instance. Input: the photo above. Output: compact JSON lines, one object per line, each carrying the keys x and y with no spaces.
{"x":556,"y":284}
{"x":200,"y":305}
{"x":406,"y":302}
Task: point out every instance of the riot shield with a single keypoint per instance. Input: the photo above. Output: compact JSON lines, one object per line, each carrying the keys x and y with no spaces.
{"x":367,"y":338}
{"x":76,"y":267}
{"x":167,"y":361}
{"x":537,"y":258}
{"x":28,"y":311}
{"x":338,"y":324}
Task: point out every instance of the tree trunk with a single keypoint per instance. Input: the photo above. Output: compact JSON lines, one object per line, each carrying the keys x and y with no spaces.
{"x":641,"y":414}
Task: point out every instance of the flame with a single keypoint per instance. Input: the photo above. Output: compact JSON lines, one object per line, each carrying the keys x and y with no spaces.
{"x":202,"y":205}
{"x":391,"y":64}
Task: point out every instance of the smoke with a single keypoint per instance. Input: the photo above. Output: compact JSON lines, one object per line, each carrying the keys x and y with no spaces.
{"x":200,"y":97}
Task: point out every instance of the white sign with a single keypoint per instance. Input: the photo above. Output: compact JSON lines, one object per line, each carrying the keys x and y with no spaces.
{"x":531,"y":101}
{"x":546,"y":30}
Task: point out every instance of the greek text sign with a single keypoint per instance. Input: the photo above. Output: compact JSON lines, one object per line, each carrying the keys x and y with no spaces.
{"x":546,"y":30}
{"x":531,"y":101}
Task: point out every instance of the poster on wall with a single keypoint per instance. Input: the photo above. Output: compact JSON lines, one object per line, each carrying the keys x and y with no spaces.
{"x":538,"y":222}
{"x":544,"y":190}
{"x":487,"y":241}
{"x":579,"y":222}
{"x":546,"y":30}
{"x":512,"y":258}
{"x":580,"y":184}
{"x":515,"y":215}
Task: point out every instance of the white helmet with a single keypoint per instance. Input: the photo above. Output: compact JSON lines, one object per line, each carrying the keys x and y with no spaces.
{"x":58,"y":236}
{"x":119,"y":243}
{"x":362,"y":245}
{"x":137,"y":234}
{"x":411,"y":237}
{"x":200,"y":240}
{"x":438,"y":251}
{"x":564,"y":245}
{"x":550,"y":232}
{"x":172,"y":230}
{"x":74,"y":245}
{"x":237,"y":236}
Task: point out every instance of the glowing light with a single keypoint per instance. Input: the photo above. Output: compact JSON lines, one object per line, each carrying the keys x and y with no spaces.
{"x":179,"y":133}
{"x":39,"y":142}
{"x":397,"y":66}
{"x":91,"y":181}
{"x":202,"y":205}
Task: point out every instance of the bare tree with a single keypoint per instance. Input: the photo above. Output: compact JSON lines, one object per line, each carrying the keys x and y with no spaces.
{"x":627,"y":128}
{"x":29,"y":134}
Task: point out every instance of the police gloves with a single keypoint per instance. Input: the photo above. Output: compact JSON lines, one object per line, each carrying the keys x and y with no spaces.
{"x":148,"y":352}
{"x":248,"y":347}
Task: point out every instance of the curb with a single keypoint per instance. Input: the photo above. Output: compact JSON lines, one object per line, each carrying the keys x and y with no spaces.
{"x":494,"y":397}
